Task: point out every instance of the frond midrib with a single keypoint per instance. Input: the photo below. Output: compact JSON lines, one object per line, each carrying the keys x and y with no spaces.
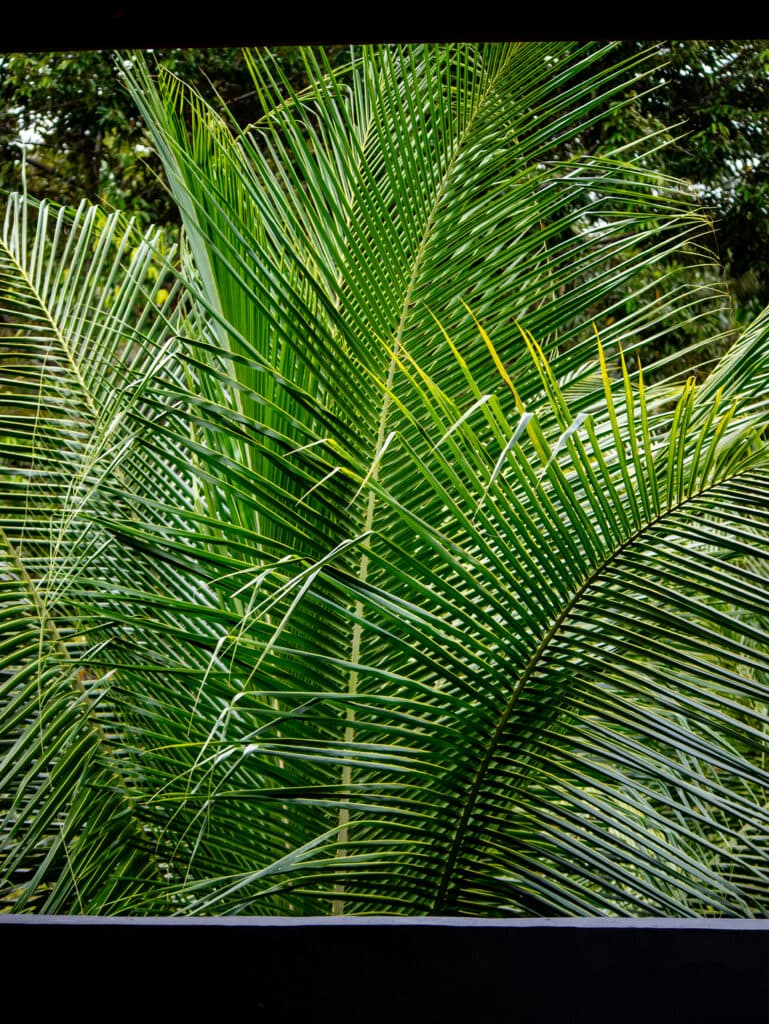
{"x":48,"y":316}
{"x":362,"y":572}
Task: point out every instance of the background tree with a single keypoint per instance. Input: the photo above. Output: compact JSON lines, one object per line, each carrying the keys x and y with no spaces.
{"x":84,"y":137}
{"x":709,"y":99}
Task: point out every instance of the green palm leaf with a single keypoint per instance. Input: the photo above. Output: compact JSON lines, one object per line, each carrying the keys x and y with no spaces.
{"x":325,"y":594}
{"x":75,"y":338}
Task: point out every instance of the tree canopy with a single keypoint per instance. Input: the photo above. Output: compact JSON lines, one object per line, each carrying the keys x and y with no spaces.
{"x":83,"y":136}
{"x":714,"y":97}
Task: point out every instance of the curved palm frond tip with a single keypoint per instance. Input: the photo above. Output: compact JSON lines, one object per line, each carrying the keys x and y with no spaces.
{"x":321,"y":594}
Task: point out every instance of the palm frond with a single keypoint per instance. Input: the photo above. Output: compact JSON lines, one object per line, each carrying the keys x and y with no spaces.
{"x":75,"y":341}
{"x":353,"y":600}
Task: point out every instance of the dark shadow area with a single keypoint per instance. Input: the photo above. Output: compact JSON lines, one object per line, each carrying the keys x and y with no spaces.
{"x":429,"y":969}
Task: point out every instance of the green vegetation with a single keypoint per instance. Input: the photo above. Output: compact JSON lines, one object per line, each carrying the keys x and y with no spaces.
{"x":83,"y":137}
{"x":719,"y":91}
{"x":93,"y":143}
{"x":376,"y":551}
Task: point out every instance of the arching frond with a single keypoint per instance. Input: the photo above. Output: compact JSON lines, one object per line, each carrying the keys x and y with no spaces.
{"x":357,"y":574}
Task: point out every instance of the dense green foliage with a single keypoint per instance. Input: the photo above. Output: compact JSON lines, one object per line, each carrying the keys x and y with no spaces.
{"x":716,"y":95}
{"x":84,"y":135}
{"x":370,"y":552}
{"x":708,"y":98}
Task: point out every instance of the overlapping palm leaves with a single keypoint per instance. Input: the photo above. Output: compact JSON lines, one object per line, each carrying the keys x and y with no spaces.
{"x":360,"y":575}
